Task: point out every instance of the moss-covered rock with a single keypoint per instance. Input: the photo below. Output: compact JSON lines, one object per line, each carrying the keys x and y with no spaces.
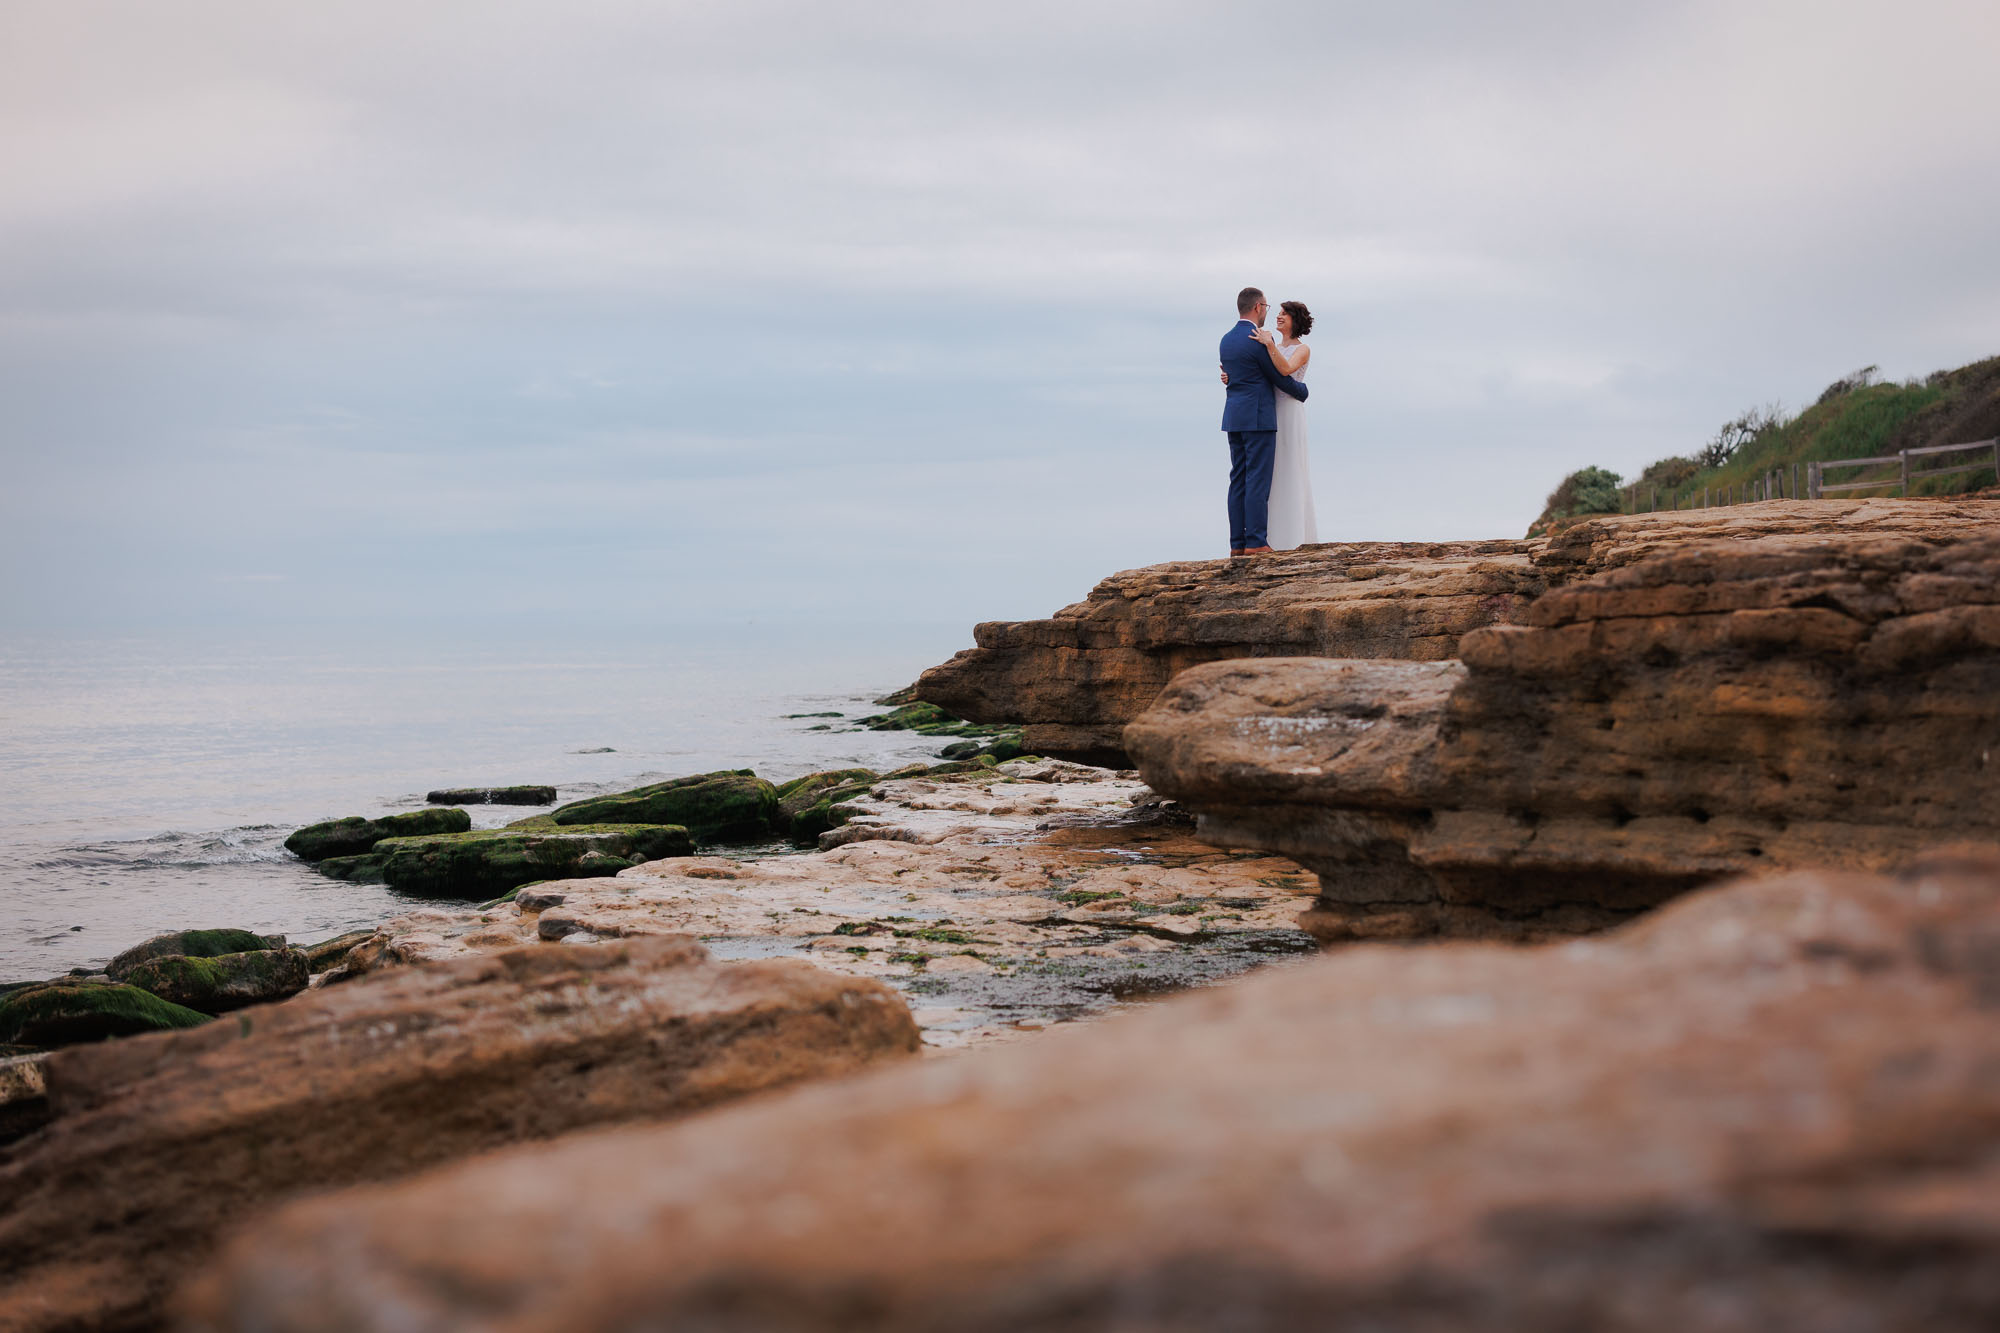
{"x":802,"y":793}
{"x":64,"y":1013}
{"x":482,"y":865}
{"x":1004,"y":747}
{"x":927,"y":719}
{"x":805,"y":805}
{"x":731,"y":806}
{"x":363,"y":869}
{"x":190,"y":944}
{"x":959,"y":750}
{"x":355,"y":835}
{"x":227,"y":981}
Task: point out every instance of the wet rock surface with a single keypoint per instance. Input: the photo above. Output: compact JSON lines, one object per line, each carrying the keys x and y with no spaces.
{"x":1796,"y":693}
{"x":190,"y":944}
{"x":158,"y":1142}
{"x":520,"y":795}
{"x":731,"y":806}
{"x":355,"y":835}
{"x":999,"y":900}
{"x":1770,"y":1106}
{"x":490,"y":862}
{"x":225,"y":982}
{"x":65,"y":1013}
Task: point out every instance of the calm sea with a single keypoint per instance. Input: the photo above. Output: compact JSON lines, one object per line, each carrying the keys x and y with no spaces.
{"x":147,"y":784}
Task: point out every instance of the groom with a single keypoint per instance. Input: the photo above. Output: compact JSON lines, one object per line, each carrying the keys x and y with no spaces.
{"x":1250,"y":415}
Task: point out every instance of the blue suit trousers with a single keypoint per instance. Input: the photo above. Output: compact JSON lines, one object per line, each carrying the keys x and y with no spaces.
{"x":1251,"y":453}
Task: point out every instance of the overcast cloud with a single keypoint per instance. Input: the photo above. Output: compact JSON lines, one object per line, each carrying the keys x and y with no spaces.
{"x":905,"y":311}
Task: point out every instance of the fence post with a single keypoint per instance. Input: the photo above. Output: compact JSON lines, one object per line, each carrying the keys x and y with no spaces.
{"x":1904,"y":454}
{"x":1795,"y":481}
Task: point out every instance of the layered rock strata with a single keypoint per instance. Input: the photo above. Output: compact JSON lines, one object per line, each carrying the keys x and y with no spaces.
{"x":158,"y":1142}
{"x":1817,"y":697}
{"x":1078,"y":677}
{"x":998,"y":900}
{"x":1770,"y":1107}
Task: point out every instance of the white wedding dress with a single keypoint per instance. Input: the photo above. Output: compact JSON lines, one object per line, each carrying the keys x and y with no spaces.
{"x":1292,"y":522}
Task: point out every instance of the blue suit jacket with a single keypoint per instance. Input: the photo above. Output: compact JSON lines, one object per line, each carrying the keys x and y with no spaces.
{"x":1252,"y":377}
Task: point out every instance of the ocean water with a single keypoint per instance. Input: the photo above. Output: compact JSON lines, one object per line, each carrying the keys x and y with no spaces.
{"x":148,"y":783}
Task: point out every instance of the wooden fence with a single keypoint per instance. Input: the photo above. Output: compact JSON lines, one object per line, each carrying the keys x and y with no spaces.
{"x":1808,"y":480}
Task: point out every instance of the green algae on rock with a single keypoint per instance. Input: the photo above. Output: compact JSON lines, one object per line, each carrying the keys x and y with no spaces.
{"x":484,"y":864}
{"x":227,"y":981}
{"x":64,"y":1013}
{"x":354,"y":835}
{"x":190,"y":944}
{"x":805,"y":805}
{"x":928,"y":719}
{"x":734,"y":805}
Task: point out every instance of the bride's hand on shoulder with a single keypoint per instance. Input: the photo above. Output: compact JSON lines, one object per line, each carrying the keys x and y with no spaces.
{"x":1225,"y":377}
{"x":1264,"y":336}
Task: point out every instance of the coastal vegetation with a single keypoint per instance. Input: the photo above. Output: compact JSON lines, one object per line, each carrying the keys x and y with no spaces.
{"x":1857,"y":416}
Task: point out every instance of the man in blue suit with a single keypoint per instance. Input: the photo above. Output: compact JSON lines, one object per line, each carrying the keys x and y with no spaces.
{"x":1250,"y":415}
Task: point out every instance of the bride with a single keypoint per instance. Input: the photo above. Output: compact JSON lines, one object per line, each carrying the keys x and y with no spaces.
{"x":1292,"y":520}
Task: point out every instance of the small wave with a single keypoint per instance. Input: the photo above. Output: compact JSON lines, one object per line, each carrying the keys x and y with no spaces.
{"x":248,"y":845}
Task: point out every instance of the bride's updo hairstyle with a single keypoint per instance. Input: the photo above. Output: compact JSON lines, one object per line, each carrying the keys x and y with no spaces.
{"x":1302,"y":318}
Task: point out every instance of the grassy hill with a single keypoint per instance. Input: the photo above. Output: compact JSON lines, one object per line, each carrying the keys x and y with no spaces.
{"x":1857,"y":417}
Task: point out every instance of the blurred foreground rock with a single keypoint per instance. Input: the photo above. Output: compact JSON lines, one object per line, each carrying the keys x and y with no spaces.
{"x":159,"y":1141}
{"x":1771,"y":1107}
{"x":1816,"y":697}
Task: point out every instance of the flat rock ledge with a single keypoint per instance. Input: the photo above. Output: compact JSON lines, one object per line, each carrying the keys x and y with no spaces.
{"x":998,"y":901}
{"x":1077,"y":678}
{"x":1769,"y":1108}
{"x":1815,"y":698}
{"x":160,"y":1142}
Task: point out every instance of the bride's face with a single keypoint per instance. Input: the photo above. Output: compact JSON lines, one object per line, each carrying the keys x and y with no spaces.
{"x":1285,"y":322}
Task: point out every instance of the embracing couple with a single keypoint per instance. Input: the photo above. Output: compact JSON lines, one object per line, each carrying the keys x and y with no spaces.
{"x":1270,"y":486}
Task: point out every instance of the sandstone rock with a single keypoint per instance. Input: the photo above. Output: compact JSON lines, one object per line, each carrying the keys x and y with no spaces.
{"x":489,"y":862}
{"x":160,"y":1141}
{"x":1077,"y":678}
{"x":1811,"y":696}
{"x":225,"y":982}
{"x":527,"y":795}
{"x":1000,"y":900}
{"x":63,"y":1013}
{"x":330,"y":953}
{"x":733,"y":806}
{"x":1771,"y":1107}
{"x":24,"y":1095}
{"x":190,"y":944}
{"x":354,"y":835}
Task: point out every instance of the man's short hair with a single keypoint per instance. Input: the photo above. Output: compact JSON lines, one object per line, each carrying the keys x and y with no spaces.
{"x":1247,"y":299}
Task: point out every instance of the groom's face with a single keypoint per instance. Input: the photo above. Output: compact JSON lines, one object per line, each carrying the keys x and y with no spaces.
{"x":1258,"y":311}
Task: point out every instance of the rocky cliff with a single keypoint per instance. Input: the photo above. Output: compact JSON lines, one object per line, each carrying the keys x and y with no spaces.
{"x":1078,"y":677}
{"x":1811,"y":685}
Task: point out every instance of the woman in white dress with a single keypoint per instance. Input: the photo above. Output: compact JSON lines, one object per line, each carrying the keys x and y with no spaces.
{"x":1292,"y":521}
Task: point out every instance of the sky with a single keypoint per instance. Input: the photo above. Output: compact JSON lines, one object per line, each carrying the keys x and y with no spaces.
{"x":557,"y":314}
